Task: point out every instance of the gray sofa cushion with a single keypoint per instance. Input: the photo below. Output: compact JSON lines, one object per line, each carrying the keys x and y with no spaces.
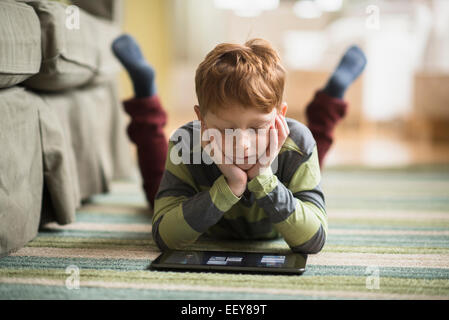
{"x":20,"y":43}
{"x":93,"y":127}
{"x":75,"y":111}
{"x":60,"y":148}
{"x":36,"y":168}
{"x":71,"y":57}
{"x":21,"y":169}
{"x":59,"y":172}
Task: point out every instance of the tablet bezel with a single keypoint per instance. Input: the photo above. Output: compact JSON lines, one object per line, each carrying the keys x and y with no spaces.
{"x":159,"y":265}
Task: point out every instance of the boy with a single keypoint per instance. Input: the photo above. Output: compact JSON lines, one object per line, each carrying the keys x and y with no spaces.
{"x":231,"y":192}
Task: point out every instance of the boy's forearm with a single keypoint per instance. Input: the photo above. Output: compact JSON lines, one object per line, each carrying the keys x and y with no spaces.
{"x":302,"y":223}
{"x":180,"y":220}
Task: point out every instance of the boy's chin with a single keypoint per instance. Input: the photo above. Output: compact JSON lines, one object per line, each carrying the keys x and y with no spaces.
{"x":244,"y":167}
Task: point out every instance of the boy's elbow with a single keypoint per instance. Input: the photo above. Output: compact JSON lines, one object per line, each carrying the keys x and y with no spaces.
{"x":157,"y":237}
{"x":159,"y":243}
{"x":162,"y":245}
{"x":314,"y":245}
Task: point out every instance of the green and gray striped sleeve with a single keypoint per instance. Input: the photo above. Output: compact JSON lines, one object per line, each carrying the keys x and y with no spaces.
{"x":181,"y":211}
{"x":297,"y":211}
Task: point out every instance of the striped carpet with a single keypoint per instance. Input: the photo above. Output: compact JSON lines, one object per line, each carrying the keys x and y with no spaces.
{"x":388,"y":239}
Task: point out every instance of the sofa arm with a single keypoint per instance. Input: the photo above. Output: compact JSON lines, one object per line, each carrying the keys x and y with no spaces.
{"x":20,"y":43}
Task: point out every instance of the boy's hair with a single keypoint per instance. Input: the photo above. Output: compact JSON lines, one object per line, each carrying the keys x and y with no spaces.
{"x":249,"y":74}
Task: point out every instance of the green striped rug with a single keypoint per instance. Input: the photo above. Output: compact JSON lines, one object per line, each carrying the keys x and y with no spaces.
{"x":388,"y":239}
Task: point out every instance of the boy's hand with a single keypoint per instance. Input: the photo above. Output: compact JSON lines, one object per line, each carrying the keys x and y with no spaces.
{"x":235,"y":177}
{"x":278,"y":135}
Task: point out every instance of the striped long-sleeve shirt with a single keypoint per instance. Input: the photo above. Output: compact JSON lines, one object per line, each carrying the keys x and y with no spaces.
{"x":285,"y":201}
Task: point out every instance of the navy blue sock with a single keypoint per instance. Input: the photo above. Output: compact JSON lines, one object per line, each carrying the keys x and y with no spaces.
{"x":349,"y":68}
{"x":142,"y":74}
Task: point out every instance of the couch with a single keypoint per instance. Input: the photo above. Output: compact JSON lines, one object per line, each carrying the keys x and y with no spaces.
{"x":62,"y":128}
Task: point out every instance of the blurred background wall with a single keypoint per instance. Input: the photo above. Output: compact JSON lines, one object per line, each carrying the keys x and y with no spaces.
{"x":399,"y":108}
{"x":150,"y":23}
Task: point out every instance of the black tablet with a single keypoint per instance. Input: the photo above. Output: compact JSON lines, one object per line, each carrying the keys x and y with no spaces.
{"x":220,"y":261}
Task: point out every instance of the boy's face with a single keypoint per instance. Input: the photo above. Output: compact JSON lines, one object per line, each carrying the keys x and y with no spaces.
{"x":244,"y":131}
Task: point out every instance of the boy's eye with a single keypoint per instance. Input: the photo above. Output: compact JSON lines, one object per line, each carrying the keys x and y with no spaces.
{"x":253,"y":128}
{"x":264,"y":126}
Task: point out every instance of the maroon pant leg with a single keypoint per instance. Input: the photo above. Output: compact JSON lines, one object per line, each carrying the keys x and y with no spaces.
{"x":145,"y":130}
{"x":323,"y":113}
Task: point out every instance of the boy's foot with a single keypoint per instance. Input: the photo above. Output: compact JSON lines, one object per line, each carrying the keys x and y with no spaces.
{"x":349,"y":68}
{"x":142,"y":74}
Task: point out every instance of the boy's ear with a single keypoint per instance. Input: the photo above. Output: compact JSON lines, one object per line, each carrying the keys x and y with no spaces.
{"x":284,"y":108}
{"x":198,"y":113}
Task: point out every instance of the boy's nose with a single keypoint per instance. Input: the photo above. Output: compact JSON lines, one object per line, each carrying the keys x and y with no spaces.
{"x":245,"y":143}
